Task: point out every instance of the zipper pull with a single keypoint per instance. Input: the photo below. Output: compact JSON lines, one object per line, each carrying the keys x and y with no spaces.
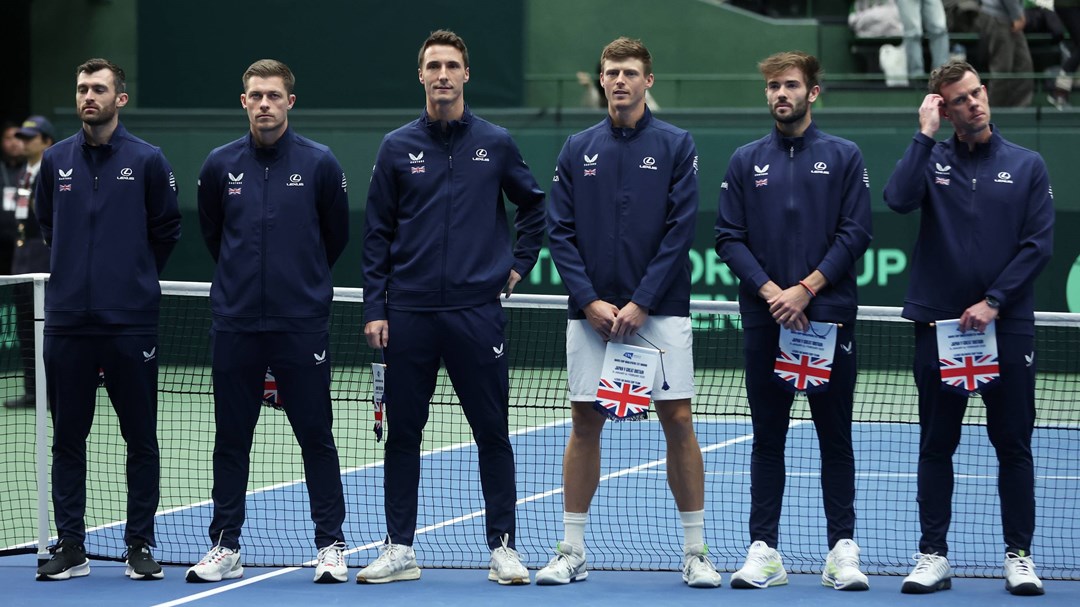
{"x":791,"y":152}
{"x":972,"y":184}
{"x":95,"y":182}
{"x":266,"y":174}
{"x":451,"y":161}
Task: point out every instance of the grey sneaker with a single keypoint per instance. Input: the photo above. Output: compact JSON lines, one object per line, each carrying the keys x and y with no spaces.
{"x":506,"y":567}
{"x":396,"y":563}
{"x":931,"y":573}
{"x":567,"y":566}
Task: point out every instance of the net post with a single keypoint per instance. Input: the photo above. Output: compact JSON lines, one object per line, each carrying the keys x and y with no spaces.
{"x":41,"y":441}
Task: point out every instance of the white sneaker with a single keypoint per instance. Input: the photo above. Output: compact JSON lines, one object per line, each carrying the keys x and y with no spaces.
{"x":763,"y":568}
{"x":331,"y":567}
{"x":396,"y":563}
{"x":219,"y":564}
{"x":506,"y":567}
{"x":697,"y":570}
{"x":567,"y":566}
{"x":842,"y":568}
{"x":1020,"y":578}
{"x":931,"y":573}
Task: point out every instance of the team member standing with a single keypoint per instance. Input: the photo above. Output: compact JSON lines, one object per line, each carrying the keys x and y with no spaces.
{"x":275,"y":215}
{"x":625,"y":278}
{"x":106,"y":204}
{"x":794,"y":218}
{"x":436,"y":254}
{"x":986,"y":232}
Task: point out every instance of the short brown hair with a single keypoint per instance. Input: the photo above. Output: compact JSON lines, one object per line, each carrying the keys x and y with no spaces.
{"x":781,"y":62}
{"x":623,"y":48}
{"x":269,"y":68}
{"x":952,"y":71}
{"x":443,"y":38}
{"x":96,"y":65}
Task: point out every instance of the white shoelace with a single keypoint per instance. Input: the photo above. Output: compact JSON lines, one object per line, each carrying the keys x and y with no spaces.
{"x":924,"y":562}
{"x":332,"y":555}
{"x":216,"y":554}
{"x":1022,"y":564}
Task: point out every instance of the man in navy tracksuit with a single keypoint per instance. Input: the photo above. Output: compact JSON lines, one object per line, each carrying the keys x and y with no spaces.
{"x":794,"y":218}
{"x":106,"y":204}
{"x":985,"y":233}
{"x":436,"y":254}
{"x":624,"y":202}
{"x":274,"y":214}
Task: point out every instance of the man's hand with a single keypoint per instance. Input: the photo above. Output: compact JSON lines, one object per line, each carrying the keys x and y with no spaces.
{"x":511,"y":283}
{"x":601,"y":315}
{"x":787,"y":307}
{"x":930,"y":112}
{"x":377,"y":333}
{"x":977,"y":317}
{"x":628,"y":320}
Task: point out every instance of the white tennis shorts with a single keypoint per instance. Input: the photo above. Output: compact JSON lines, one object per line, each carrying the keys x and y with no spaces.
{"x":672,"y":334}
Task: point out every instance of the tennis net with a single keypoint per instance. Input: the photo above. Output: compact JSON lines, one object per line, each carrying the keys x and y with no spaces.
{"x":633,"y":522}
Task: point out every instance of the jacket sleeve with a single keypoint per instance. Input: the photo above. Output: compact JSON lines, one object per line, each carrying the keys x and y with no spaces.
{"x":162,"y":210}
{"x":380,"y":218}
{"x":521,"y":189}
{"x":211,"y":212}
{"x":853,"y":231}
{"x":682,"y":207}
{"x":906,"y":188}
{"x":732,"y":233}
{"x":43,"y":199}
{"x":333,"y":208}
{"x":562,"y":233}
{"x":1036,"y":242}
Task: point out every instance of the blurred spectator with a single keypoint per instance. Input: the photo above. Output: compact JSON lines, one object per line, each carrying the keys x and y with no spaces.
{"x":1005,"y":50}
{"x":1069,"y":12}
{"x":875,"y":19}
{"x":12,"y":166}
{"x":917,"y":17}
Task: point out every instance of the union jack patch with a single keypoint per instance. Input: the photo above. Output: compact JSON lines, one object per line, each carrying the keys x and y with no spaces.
{"x":234,"y":191}
{"x":590,"y":172}
{"x":65,"y":187}
{"x":758,"y":183}
{"x":419,"y":169}
{"x":941,"y":180}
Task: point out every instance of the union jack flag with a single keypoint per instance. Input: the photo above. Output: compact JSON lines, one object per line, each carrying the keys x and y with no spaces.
{"x":804,"y":372}
{"x":380,"y":408}
{"x":270,"y":391}
{"x":65,"y":187}
{"x":761,"y":182}
{"x":419,"y":169}
{"x":941,"y":180}
{"x":590,"y":172}
{"x":234,"y":191}
{"x":623,"y":400}
{"x":969,"y":373}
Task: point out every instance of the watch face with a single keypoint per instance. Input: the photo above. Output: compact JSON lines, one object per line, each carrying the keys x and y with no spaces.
{"x":992,"y":302}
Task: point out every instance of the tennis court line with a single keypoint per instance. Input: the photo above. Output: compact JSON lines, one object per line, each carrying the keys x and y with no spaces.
{"x":459,"y":519}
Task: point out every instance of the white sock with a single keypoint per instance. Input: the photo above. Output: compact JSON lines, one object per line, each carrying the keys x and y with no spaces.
{"x":574,"y":528}
{"x":693,"y":524}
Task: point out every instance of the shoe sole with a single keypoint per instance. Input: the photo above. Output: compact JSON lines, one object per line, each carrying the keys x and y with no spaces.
{"x":194,"y":578}
{"x":831,"y":582}
{"x":546,"y":581}
{"x":159,"y":574}
{"x":702,"y":583}
{"x":514,"y":581}
{"x":328,"y":577}
{"x":749,"y":585}
{"x":401,"y":576}
{"x":917,"y":588}
{"x":1026,"y":589}
{"x":81,"y":570}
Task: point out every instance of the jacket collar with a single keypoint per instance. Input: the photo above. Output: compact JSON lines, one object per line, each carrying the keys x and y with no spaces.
{"x":435,"y":126}
{"x":118,"y":135}
{"x":798,"y":143}
{"x":280,"y":146}
{"x":629,"y":133}
{"x":982,"y":150}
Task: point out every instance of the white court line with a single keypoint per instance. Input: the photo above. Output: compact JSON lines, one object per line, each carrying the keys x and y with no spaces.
{"x":453,"y":521}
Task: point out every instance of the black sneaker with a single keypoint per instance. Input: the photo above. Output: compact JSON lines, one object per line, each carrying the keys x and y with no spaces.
{"x":68,"y":561}
{"x":141,"y":564}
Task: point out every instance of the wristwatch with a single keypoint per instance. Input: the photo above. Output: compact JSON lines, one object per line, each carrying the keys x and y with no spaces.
{"x":993,"y":302}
